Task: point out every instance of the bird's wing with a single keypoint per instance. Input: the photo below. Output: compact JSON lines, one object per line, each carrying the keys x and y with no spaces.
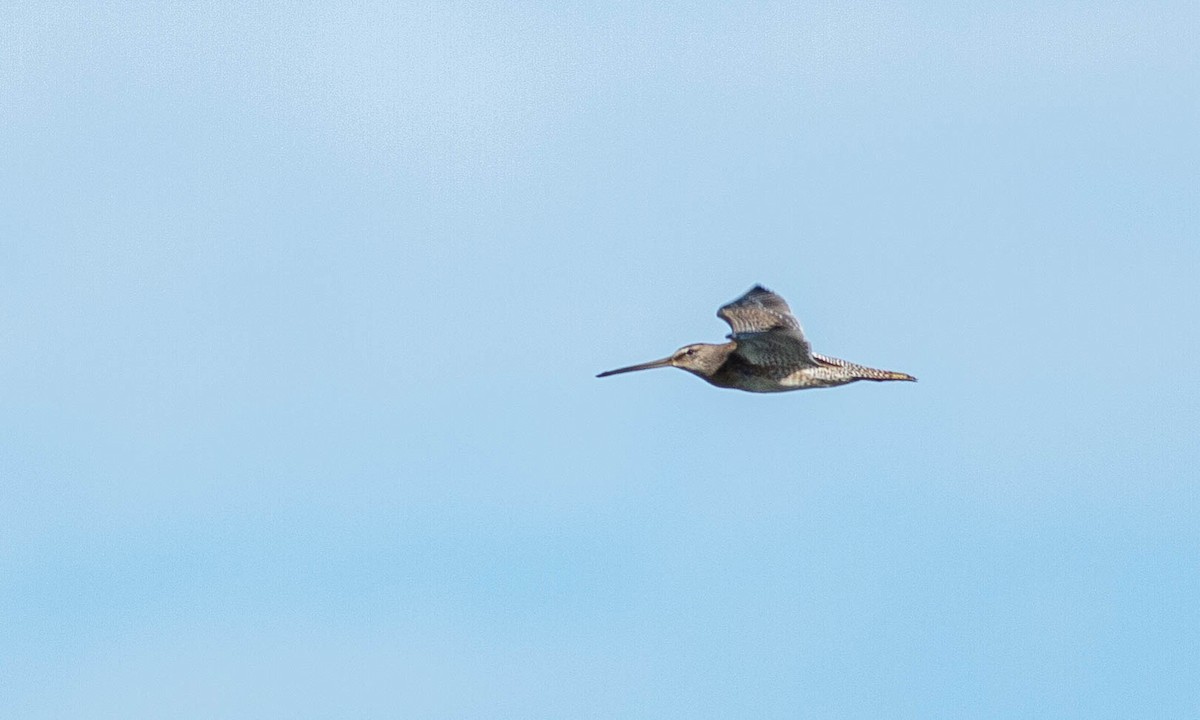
{"x":765,"y":330}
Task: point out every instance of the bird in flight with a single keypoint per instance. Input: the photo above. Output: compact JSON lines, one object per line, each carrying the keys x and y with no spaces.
{"x":766,"y":352}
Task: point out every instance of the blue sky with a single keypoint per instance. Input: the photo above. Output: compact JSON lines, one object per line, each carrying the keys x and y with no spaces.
{"x":300,"y":309}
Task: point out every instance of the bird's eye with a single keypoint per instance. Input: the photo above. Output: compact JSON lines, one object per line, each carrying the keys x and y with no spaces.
{"x":690,"y":351}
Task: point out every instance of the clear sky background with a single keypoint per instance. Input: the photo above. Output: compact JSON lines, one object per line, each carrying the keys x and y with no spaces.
{"x":301,"y":305}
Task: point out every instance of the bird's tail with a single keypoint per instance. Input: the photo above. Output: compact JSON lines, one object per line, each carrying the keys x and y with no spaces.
{"x":867,"y":373}
{"x":862,"y":372}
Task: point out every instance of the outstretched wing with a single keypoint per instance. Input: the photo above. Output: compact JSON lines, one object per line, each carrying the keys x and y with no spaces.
{"x":765,"y":330}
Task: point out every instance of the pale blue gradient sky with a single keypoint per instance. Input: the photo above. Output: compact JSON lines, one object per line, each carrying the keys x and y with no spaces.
{"x":300,"y":309}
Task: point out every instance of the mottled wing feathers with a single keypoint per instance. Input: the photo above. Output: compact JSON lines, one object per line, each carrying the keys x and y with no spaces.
{"x":766,"y":332}
{"x":758,"y":310}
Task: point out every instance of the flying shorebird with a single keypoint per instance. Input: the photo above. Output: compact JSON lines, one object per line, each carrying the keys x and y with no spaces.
{"x":767,"y":352}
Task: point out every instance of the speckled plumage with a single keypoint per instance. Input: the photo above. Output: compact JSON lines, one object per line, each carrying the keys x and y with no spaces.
{"x":766,"y":352}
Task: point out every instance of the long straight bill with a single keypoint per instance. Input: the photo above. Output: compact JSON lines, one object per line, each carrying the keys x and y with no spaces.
{"x":665,"y":362}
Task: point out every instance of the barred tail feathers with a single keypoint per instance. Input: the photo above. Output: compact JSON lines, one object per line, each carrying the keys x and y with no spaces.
{"x":862,"y":372}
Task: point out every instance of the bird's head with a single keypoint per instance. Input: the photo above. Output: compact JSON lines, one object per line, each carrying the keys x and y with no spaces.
{"x":701,"y":359}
